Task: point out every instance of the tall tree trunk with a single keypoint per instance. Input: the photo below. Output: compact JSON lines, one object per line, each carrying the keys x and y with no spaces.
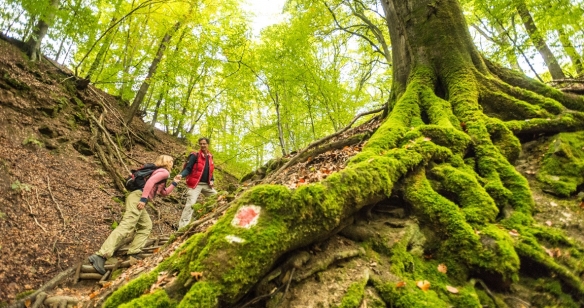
{"x":38,"y":34}
{"x":128,"y":54}
{"x":539,"y":42}
{"x":106,"y":42}
{"x":442,"y":149}
{"x":60,"y":49}
{"x":279,"y":124}
{"x":156,"y":108}
{"x":67,"y":53}
{"x":67,"y":28}
{"x":571,"y":52}
{"x":185,"y":102}
{"x":153,"y":66}
{"x":102,"y":51}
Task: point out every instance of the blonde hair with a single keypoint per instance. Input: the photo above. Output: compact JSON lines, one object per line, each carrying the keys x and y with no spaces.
{"x":164,"y":161}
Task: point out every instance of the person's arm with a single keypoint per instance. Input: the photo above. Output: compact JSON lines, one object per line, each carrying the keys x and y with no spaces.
{"x":189,"y":167}
{"x":167,"y":190}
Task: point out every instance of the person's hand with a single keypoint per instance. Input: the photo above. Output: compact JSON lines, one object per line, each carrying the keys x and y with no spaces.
{"x":177,"y":178}
{"x":211,"y":183}
{"x":141,"y":205}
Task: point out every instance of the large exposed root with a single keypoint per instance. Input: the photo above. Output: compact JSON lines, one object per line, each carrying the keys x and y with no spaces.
{"x":453,"y":165}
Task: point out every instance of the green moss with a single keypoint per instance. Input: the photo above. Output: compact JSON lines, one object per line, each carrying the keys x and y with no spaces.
{"x":201,"y":295}
{"x":562,"y":168}
{"x":24,"y":294}
{"x":409,"y":296}
{"x":201,"y":209}
{"x":467,"y":297}
{"x":528,"y":247}
{"x":131,"y":290}
{"x":504,"y":139}
{"x":548,"y":292}
{"x":460,"y":241}
{"x":15,"y":83}
{"x":78,"y":102}
{"x":354,"y":295}
{"x":157,"y":299}
{"x":487,"y":302}
{"x":508,"y":107}
{"x":477,"y":205}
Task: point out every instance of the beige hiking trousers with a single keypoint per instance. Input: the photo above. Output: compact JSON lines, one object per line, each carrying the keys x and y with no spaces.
{"x":133,"y":219}
{"x":192,"y":195}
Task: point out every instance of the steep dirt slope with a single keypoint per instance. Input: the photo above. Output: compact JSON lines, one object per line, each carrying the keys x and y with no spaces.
{"x":57,"y":202}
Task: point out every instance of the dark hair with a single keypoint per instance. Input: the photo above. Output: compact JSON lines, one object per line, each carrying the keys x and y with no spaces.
{"x":204,"y":138}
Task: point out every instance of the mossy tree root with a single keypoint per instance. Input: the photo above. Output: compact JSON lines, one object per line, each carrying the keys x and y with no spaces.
{"x":529,"y":107}
{"x":453,"y":161}
{"x":354,"y":296}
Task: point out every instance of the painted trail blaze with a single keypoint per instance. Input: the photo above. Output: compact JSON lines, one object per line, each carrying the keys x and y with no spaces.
{"x":247,"y":216}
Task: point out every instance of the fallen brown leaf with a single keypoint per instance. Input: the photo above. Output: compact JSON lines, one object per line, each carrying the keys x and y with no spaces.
{"x":423,"y":284}
{"x":442,"y":268}
{"x":452,"y":290}
{"x":400,"y":284}
{"x":197,"y":275}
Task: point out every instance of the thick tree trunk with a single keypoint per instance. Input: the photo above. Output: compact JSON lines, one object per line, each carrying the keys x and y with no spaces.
{"x":437,"y":150}
{"x":40,"y":30}
{"x":280,"y":130}
{"x":539,"y":42}
{"x":102,"y":51}
{"x":153,"y":66}
{"x":62,"y":44}
{"x":571,"y":52}
{"x":155,"y":115}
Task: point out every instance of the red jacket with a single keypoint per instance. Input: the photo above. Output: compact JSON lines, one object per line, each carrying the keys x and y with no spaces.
{"x":194,"y":176}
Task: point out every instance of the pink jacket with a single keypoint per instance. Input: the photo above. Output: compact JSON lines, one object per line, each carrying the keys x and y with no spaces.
{"x":153,"y":188}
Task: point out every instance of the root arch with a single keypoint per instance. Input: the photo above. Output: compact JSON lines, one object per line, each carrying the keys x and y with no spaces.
{"x":447,"y":158}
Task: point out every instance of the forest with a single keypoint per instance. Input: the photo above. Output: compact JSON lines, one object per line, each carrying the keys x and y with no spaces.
{"x":267,"y":96}
{"x":419,"y":153}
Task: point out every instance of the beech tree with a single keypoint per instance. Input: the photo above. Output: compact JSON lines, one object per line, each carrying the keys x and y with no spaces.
{"x":33,"y":44}
{"x":446,"y":148}
{"x":539,"y":41}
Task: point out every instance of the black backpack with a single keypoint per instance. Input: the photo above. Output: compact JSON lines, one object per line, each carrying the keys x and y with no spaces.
{"x":139,"y":177}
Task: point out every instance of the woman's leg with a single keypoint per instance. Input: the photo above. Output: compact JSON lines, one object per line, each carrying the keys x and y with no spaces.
{"x":126,"y":226}
{"x":143,"y":228}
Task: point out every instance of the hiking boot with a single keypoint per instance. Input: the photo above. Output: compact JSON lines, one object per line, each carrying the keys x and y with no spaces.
{"x":136,"y":256}
{"x":98,"y":263}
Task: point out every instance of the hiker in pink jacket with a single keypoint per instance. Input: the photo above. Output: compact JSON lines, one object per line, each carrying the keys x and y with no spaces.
{"x":136,"y":217}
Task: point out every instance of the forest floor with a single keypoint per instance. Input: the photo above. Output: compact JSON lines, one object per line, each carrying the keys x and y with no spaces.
{"x":58,"y":204}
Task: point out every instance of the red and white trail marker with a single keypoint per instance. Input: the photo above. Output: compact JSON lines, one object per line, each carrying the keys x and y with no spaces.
{"x":247,"y":216}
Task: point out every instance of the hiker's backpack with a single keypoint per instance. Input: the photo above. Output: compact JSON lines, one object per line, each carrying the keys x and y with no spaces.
{"x":187,"y":161}
{"x":139,"y":177}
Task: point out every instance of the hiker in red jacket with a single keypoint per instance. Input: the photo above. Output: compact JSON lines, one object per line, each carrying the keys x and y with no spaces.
{"x":199,"y":178}
{"x":135,"y":216}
